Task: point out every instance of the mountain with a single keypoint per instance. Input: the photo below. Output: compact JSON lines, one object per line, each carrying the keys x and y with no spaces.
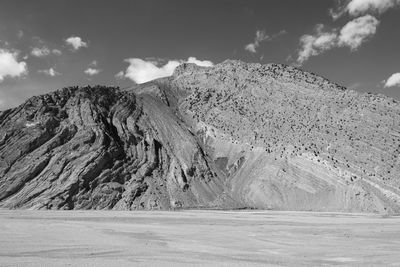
{"x":236,"y":135}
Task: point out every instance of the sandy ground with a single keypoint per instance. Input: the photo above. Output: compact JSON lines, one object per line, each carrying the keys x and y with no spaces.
{"x":182,"y":238}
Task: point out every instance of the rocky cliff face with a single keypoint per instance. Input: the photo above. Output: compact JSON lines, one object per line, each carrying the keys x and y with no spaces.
{"x":99,"y":148}
{"x":233,"y":136}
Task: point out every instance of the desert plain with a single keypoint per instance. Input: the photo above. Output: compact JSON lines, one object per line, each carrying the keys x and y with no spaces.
{"x":193,"y":237}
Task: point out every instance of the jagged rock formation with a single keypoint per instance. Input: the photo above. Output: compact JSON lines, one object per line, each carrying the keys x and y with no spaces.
{"x":232,"y":136}
{"x":95,"y":148}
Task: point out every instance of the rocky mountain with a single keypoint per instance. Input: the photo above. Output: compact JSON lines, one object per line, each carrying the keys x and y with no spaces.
{"x":235,"y":135}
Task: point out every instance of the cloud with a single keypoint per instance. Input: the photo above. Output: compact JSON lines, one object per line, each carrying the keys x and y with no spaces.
{"x":317,"y":43}
{"x":260,"y":37}
{"x":141,"y":71}
{"x":44,"y":51}
{"x":41,"y":48}
{"x":9,"y":65}
{"x":351,"y":35}
{"x":56,"y":52}
{"x":92,"y":71}
{"x":76,"y":42}
{"x":251,"y":48}
{"x":50,"y":72}
{"x":120,"y":75}
{"x":393,"y":80}
{"x":92,"y":68}
{"x":40,"y":52}
{"x":201,"y":63}
{"x":359,"y":7}
{"x":357,"y":31}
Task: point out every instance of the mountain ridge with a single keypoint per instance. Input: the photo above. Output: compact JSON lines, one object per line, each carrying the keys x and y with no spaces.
{"x":232,"y":136}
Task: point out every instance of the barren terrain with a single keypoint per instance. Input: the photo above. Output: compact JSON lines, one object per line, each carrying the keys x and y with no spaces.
{"x":237,"y":135}
{"x":227,"y":238}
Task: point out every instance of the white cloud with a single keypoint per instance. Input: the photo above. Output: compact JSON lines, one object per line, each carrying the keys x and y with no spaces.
{"x":201,"y":63}
{"x":357,"y":7}
{"x":120,"y":75}
{"x":251,"y":48}
{"x":260,"y":37}
{"x":357,"y":31}
{"x":9,"y":65}
{"x":44,"y":51}
{"x":393,"y":80}
{"x":56,"y":52}
{"x":92,"y":71}
{"x":352,"y":35}
{"x":76,"y":42}
{"x":319,"y":42}
{"x":141,"y":71}
{"x":40,"y":51}
{"x":360,"y":7}
{"x":50,"y":72}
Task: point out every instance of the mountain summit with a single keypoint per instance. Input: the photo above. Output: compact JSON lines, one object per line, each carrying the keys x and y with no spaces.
{"x":236,"y":135}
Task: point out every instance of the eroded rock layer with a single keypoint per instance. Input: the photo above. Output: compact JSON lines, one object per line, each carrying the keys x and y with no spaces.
{"x":232,"y":136}
{"x":98,"y":148}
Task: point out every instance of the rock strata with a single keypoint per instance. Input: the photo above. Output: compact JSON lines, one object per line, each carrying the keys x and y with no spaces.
{"x":99,"y":148}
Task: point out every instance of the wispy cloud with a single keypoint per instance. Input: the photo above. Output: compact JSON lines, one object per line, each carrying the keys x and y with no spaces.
{"x":49,"y":72}
{"x":40,"y":51}
{"x":352,"y":35}
{"x":44,"y":51}
{"x":316,"y":43}
{"x":357,"y":31}
{"x":56,"y":52}
{"x":120,"y":75}
{"x":260,"y":37}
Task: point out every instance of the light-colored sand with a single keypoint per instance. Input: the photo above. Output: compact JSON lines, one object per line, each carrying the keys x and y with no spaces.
{"x":109,"y":238}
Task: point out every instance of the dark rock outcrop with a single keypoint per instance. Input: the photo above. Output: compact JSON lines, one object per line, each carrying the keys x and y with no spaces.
{"x":232,"y":136}
{"x":100,"y":148}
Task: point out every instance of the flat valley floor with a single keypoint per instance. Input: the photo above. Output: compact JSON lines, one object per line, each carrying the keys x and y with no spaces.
{"x":182,"y":238}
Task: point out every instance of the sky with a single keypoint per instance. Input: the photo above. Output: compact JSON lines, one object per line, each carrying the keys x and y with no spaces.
{"x":46,"y":45}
